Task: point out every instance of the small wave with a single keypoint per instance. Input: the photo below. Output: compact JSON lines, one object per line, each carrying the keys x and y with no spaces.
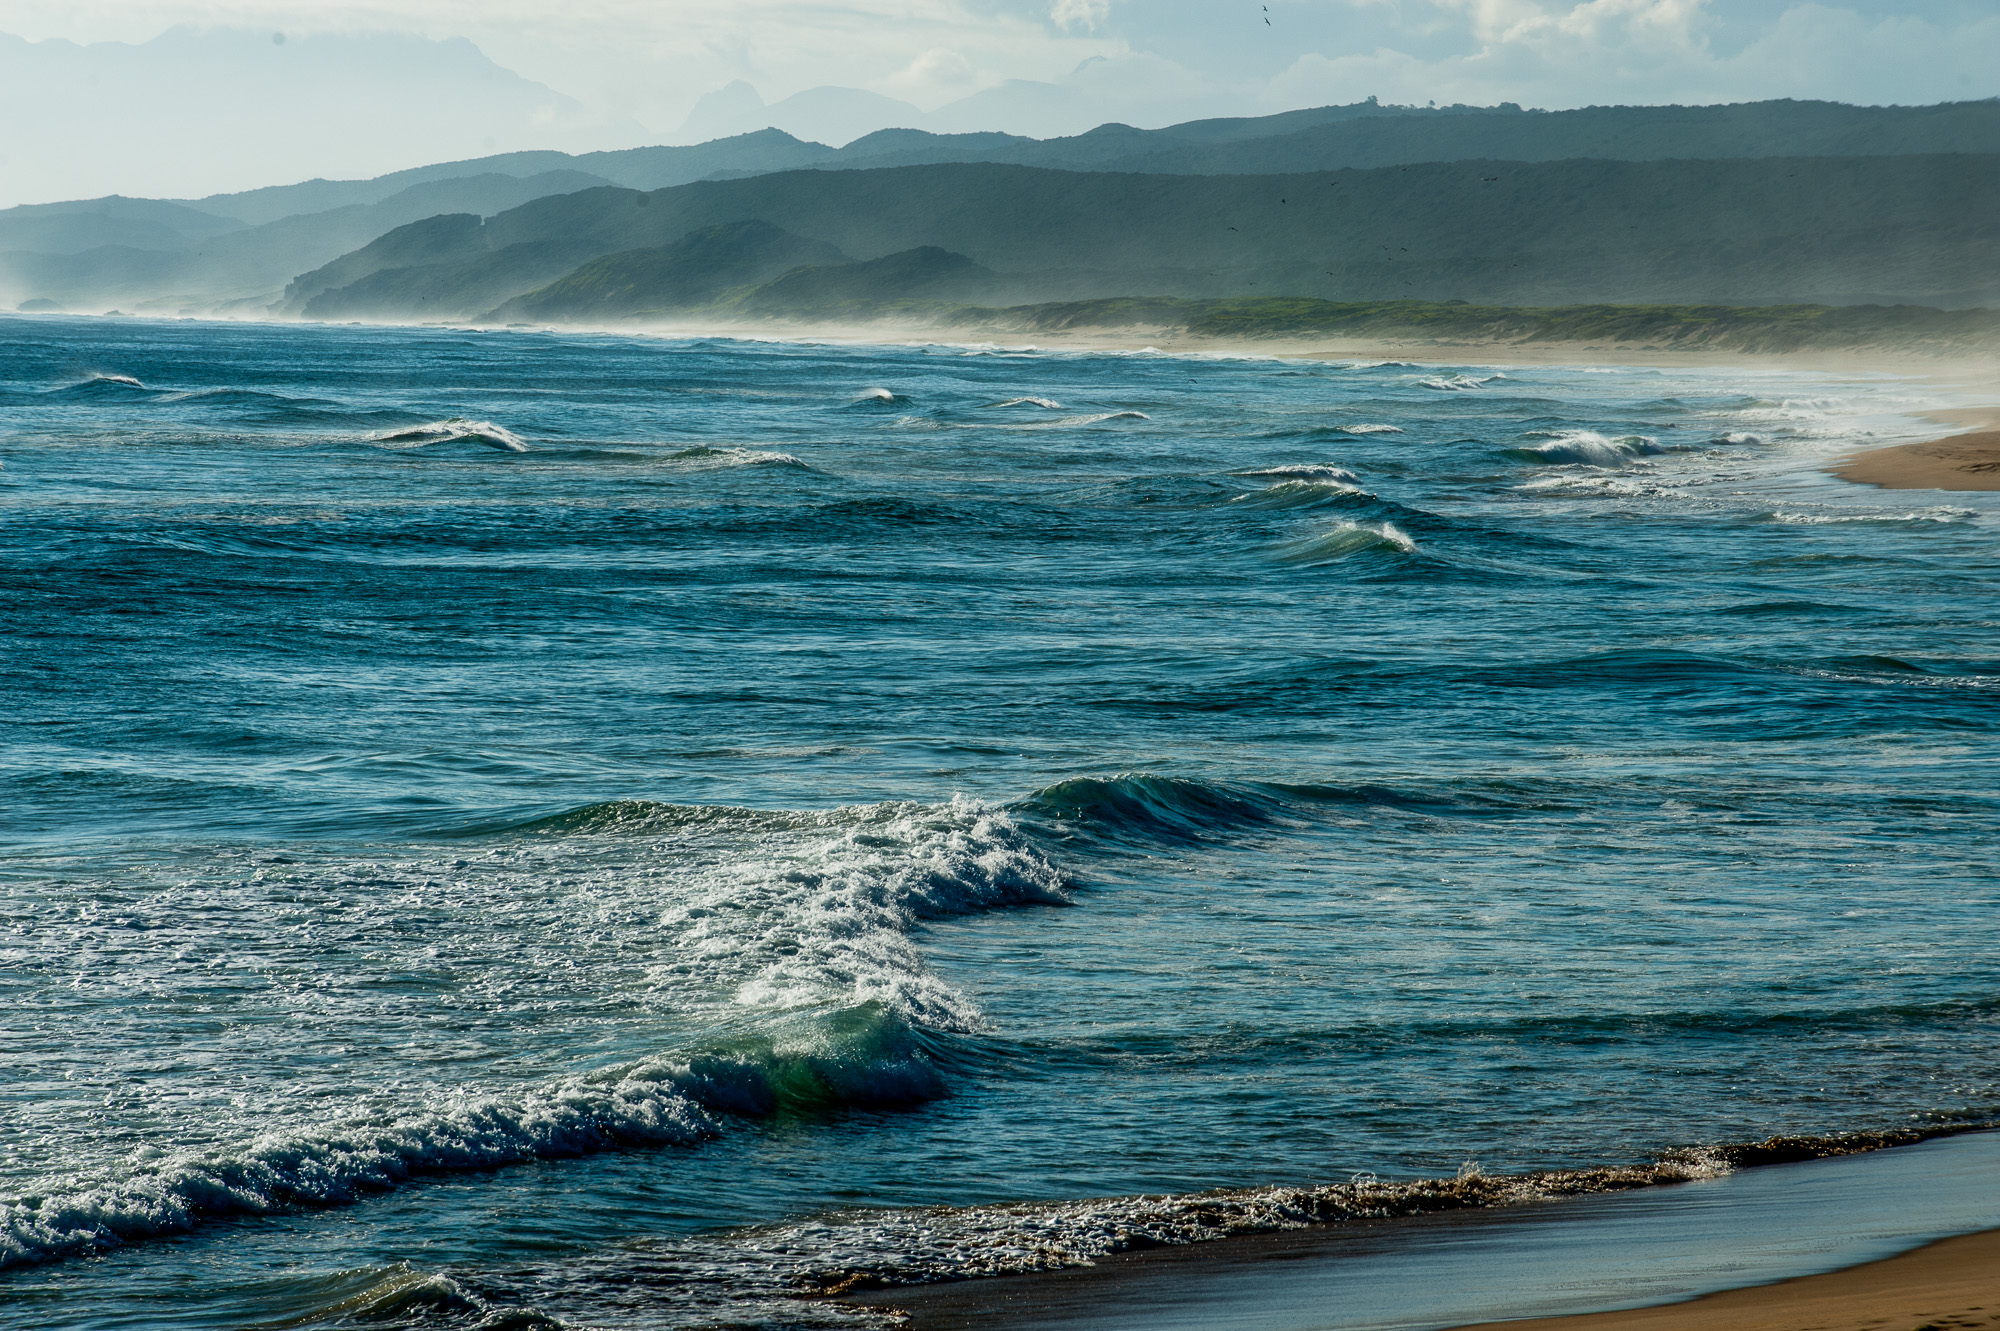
{"x":894,"y":1248}
{"x":402,"y":1296}
{"x":1921,"y":518}
{"x":1306,"y":471}
{"x":736,"y":457}
{"x":1155,"y":807}
{"x":1297,"y":494}
{"x":1458,"y":383}
{"x":1098,"y":418}
{"x":877,"y":397}
{"x":1369,"y":429}
{"x":456,"y":429}
{"x":1589,"y":448}
{"x":865,"y":1056}
{"x":103,"y":382}
{"x":1045,"y":404}
{"x":1346,"y":539}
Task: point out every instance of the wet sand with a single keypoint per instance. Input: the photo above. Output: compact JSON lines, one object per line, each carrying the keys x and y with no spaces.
{"x":1960,"y":462}
{"x":1951,"y":1285}
{"x":1843,"y":1244}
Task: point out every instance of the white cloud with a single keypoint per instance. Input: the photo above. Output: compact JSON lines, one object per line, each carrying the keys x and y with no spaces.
{"x":1652,"y":51}
{"x":1086,"y":14}
{"x":1033,"y":66}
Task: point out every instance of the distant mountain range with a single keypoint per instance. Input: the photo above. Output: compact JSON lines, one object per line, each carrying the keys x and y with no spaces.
{"x":1596,"y":204}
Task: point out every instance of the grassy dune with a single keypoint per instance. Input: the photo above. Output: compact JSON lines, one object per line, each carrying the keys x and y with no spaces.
{"x":1718,"y":327}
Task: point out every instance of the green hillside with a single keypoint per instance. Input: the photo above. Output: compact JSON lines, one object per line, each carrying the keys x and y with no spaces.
{"x":1720,"y":327}
{"x":692,"y":271}
{"x":1875,"y":230}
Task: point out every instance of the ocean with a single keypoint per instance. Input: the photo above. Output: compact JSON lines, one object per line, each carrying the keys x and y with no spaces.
{"x":515,"y":829}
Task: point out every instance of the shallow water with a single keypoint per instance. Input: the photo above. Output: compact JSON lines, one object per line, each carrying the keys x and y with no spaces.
{"x":505,"y":826}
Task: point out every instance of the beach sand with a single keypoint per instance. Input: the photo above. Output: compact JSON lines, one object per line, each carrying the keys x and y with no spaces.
{"x":1950,"y":1285}
{"x":1968,"y":461}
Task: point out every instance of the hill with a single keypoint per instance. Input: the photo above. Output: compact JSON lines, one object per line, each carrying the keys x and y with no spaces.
{"x":694,"y":270}
{"x":136,"y":251}
{"x":236,"y":251}
{"x":1884,"y":230}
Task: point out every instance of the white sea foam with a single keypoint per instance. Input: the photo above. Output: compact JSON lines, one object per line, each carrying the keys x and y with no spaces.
{"x":1042,"y":402}
{"x":1097,"y":418}
{"x":1458,"y":383}
{"x":1310,"y":471}
{"x":785,"y":933}
{"x":1369,"y":429}
{"x":1914,"y":517}
{"x":703,"y":458}
{"x":766,"y":1269}
{"x":1345,"y":539}
{"x":454,"y":429}
{"x":1589,"y":448}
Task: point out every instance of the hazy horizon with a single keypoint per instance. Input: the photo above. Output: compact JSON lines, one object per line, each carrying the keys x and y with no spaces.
{"x":123,"y":98}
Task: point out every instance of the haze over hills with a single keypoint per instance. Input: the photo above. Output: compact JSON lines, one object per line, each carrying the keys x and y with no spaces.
{"x":238,"y":252}
{"x":1834,"y":230}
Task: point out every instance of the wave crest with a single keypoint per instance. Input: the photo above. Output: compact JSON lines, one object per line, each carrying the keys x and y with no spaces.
{"x":455,"y":429}
{"x":1591,"y":449}
{"x":1346,"y":539}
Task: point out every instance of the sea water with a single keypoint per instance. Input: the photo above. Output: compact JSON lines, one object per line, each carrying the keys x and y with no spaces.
{"x":517,"y":829}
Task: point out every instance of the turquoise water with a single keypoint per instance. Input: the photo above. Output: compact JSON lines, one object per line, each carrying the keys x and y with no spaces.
{"x":504,"y":827}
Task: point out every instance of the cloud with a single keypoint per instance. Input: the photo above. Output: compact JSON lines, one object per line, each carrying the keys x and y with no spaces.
{"x":1652,"y":51}
{"x":619,"y":68}
{"x":1089,"y":15}
{"x":192,"y":113}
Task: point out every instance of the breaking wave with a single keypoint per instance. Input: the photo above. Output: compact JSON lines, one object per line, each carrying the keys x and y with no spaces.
{"x":1591,"y":449}
{"x":799,"y":919}
{"x":1309,"y":471}
{"x":455,"y":429}
{"x":1346,"y":539}
{"x":1045,"y":404}
{"x":105,"y":384}
{"x":1297,"y":494}
{"x":908,"y":1248}
{"x":1458,"y":383}
{"x":702,"y":456}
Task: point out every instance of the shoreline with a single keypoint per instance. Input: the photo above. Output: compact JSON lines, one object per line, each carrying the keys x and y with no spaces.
{"x":1967,"y":461}
{"x":1964,"y":462}
{"x":1949,"y":1283}
{"x":1763,"y":1245}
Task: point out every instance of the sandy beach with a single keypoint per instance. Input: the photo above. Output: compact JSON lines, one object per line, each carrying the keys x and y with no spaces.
{"x":1969,"y":461}
{"x":1945,"y":1286}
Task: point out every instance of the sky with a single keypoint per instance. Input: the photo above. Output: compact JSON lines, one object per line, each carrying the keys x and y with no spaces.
{"x":180,"y":98}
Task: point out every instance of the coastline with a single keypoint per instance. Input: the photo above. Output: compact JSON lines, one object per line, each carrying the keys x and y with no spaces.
{"x":1965,"y":462}
{"x":1950,"y":1283}
{"x":1776,"y":1247}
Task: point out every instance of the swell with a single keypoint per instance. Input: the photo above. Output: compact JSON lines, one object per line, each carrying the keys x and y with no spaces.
{"x":1144,"y":807}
